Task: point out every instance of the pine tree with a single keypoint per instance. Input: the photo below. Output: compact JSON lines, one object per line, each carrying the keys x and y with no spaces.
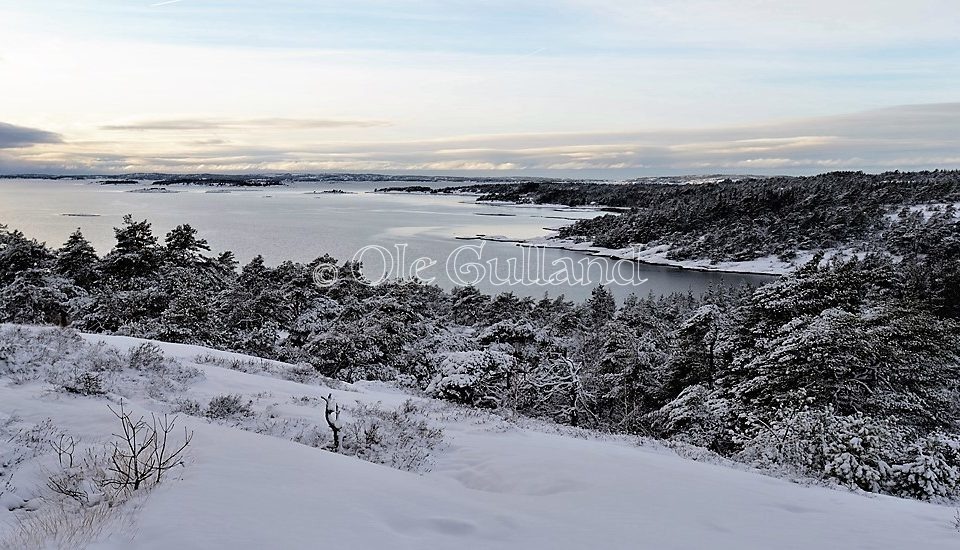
{"x":136,"y":253}
{"x":469,"y":305}
{"x":228,"y":261}
{"x":601,"y":306}
{"x":252,"y":310}
{"x":629,"y":374}
{"x":18,"y":254}
{"x":183,"y":248}
{"x":77,"y":260}
{"x":190,"y":314}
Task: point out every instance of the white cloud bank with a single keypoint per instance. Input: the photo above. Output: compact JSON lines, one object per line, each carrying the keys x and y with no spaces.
{"x":904,"y":137}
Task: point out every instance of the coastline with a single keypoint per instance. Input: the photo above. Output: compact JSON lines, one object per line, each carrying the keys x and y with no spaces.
{"x":656,"y":256}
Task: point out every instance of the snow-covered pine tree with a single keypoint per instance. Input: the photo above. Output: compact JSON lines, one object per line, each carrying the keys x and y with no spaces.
{"x":78,"y":260}
{"x":136,"y":253}
{"x":37,"y":297}
{"x":183,"y":247}
{"x":18,"y":254}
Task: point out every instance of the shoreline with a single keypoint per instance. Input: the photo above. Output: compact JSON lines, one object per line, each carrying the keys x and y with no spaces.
{"x":651,"y":259}
{"x":654,"y":256}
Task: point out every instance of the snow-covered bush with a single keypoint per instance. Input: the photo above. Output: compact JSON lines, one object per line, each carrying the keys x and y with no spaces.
{"x":508,"y":332}
{"x":373,"y":371}
{"x":146,"y":357}
{"x":165,"y":376}
{"x":185,"y":405}
{"x":224,"y":407}
{"x":85,"y":383}
{"x":101,"y":358}
{"x":471,"y":377}
{"x":855,"y":451}
{"x":35,"y":297}
{"x":930,"y":469}
{"x":28,"y":355}
{"x":297,"y":429}
{"x":301,"y":372}
{"x":783,"y":440}
{"x":70,"y":363}
{"x":59,"y":357}
{"x":697,"y":416}
{"x":249,"y":366}
{"x":402,"y":438}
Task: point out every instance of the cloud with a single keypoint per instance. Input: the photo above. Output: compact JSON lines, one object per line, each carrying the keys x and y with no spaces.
{"x":19,"y":136}
{"x":902,"y":137}
{"x":765,"y":25}
{"x":189,"y":124}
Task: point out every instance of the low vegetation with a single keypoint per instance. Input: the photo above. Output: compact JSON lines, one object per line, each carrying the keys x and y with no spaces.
{"x":89,"y":487}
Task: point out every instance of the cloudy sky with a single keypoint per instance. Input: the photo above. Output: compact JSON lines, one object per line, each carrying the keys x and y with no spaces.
{"x":615,"y":88}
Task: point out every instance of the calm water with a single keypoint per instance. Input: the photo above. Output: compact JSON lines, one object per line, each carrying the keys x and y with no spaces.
{"x":296,"y":223}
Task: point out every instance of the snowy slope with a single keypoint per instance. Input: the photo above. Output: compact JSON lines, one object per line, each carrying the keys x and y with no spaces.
{"x":497,"y":484}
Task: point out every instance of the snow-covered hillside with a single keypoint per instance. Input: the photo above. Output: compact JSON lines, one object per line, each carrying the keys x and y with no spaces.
{"x":256,"y":480}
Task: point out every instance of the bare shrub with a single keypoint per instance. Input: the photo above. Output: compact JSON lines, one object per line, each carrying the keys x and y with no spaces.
{"x":65,"y":446}
{"x":301,"y":372}
{"x":79,"y":500}
{"x":401,"y":438}
{"x":144,"y":451}
{"x":84,"y":383}
{"x":22,"y":445}
{"x":146,"y":357}
{"x":77,"y":506}
{"x":79,"y":478}
{"x":66,"y":526}
{"x":187,"y":406}
{"x":223,"y":407}
{"x":36,"y":438}
{"x":299,"y":430}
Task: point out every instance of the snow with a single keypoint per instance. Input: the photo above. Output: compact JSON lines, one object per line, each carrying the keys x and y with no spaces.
{"x":658,"y":255}
{"x":926,"y":210}
{"x":498,"y":484}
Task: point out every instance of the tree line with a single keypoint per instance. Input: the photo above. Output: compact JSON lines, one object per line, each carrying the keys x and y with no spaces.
{"x":744,"y":219}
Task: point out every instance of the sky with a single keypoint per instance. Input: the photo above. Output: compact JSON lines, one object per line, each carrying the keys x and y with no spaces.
{"x":599,"y":88}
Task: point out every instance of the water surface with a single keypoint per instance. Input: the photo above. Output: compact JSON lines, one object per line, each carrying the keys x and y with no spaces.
{"x":301,"y":222}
